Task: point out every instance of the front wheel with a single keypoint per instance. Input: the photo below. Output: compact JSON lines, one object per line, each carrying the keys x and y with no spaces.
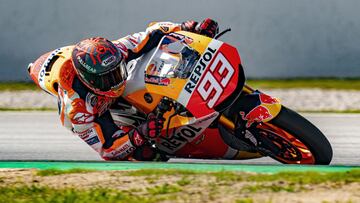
{"x":297,"y":140}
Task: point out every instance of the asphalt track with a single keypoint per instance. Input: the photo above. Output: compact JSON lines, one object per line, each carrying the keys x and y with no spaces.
{"x":39,"y":136}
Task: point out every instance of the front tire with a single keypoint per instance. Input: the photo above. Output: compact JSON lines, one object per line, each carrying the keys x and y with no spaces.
{"x":309,"y":135}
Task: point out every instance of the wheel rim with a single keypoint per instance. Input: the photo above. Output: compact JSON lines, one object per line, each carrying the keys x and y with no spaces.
{"x":292,"y":150}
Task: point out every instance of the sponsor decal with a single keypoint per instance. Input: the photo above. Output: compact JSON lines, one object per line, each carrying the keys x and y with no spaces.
{"x":81,"y":118}
{"x":181,"y":137}
{"x":186,"y":134}
{"x":164,"y":28}
{"x":121,"y":46}
{"x":138,"y":140}
{"x":182,"y":38}
{"x":266,"y":99}
{"x":155,"y":68}
{"x":45,"y":63}
{"x":89,"y":68}
{"x":215,"y":80}
{"x":90,"y":136}
{"x":107,"y":62}
{"x":42,"y":75}
{"x":199,"y":69}
{"x":148,"y":98}
{"x":92,"y":140}
{"x":122,"y":151}
{"x":157,"y":80}
{"x":257,"y":114}
{"x":211,"y":79}
{"x":88,"y":133}
{"x":50,"y":57}
{"x":133,"y":40}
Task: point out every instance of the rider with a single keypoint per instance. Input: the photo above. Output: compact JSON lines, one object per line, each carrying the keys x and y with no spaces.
{"x":95,"y":77}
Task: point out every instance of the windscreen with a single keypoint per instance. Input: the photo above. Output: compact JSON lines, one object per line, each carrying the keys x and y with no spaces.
{"x":172,"y":59}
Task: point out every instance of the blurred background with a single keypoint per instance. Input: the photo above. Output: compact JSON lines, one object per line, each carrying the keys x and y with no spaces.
{"x":276,"y":39}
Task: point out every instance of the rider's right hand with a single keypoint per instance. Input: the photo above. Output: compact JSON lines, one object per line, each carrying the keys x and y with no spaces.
{"x":152,"y":127}
{"x":147,"y":130}
{"x":207,"y":27}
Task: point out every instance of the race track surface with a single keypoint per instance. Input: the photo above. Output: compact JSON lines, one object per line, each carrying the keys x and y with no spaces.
{"x":40,"y":136}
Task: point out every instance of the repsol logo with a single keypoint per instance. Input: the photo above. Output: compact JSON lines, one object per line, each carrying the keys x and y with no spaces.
{"x":183,"y":136}
{"x":41,"y":75}
{"x":199,"y":69}
{"x":45,"y":64}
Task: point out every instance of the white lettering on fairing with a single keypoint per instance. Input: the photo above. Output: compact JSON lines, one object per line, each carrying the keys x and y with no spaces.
{"x":186,"y":134}
{"x":122,"y":151}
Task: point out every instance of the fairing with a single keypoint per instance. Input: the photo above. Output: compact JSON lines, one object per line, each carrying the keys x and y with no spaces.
{"x":198,"y":72}
{"x":195,"y":71}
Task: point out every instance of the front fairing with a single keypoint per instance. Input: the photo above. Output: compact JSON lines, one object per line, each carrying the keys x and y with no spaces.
{"x":196,"y":71}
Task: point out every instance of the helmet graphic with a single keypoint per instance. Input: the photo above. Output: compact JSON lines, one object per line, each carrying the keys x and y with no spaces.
{"x":100,"y":66}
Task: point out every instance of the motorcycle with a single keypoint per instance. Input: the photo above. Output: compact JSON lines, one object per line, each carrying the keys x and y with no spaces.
{"x":197,"y":84}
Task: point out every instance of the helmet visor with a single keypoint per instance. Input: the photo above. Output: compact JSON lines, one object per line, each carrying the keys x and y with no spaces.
{"x":109,"y":80}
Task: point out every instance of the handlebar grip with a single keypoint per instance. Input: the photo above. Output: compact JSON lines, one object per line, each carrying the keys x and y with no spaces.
{"x":159,"y":115}
{"x":163,"y":106}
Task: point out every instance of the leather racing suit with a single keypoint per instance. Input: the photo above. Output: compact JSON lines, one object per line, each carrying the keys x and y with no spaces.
{"x":85,"y":113}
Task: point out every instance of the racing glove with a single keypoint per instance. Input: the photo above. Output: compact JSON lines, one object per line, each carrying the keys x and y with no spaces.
{"x":147,"y":130}
{"x":207,"y":27}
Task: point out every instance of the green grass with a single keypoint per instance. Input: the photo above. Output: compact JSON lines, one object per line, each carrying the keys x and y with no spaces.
{"x":164,"y":189}
{"x":323,"y":83}
{"x":54,"y":172}
{"x":161,"y":172}
{"x":27,"y":109}
{"x":268,"y":188}
{"x":69,"y":195}
{"x":183,"y":182}
{"x":307,"y":177}
{"x":245,"y":200}
{"x":170,"y":191}
{"x":16,"y":86}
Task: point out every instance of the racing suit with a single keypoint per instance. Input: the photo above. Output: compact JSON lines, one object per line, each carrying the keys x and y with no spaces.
{"x":87,"y":114}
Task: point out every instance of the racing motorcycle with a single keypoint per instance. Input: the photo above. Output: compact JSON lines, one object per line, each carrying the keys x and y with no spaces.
{"x":197,"y":85}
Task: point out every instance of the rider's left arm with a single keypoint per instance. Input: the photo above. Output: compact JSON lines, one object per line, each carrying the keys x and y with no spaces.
{"x":135,"y":45}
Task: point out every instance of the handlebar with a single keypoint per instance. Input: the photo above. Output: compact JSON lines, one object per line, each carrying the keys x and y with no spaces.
{"x":221,"y":33}
{"x":163,"y":106}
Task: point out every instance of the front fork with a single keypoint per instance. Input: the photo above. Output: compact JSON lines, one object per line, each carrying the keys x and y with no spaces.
{"x":253,"y":106}
{"x":227,"y":123}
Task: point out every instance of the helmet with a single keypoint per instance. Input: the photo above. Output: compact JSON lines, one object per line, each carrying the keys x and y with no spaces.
{"x":100,"y":66}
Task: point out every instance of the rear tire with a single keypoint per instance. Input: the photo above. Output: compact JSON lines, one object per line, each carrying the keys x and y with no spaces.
{"x":306,"y":132}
